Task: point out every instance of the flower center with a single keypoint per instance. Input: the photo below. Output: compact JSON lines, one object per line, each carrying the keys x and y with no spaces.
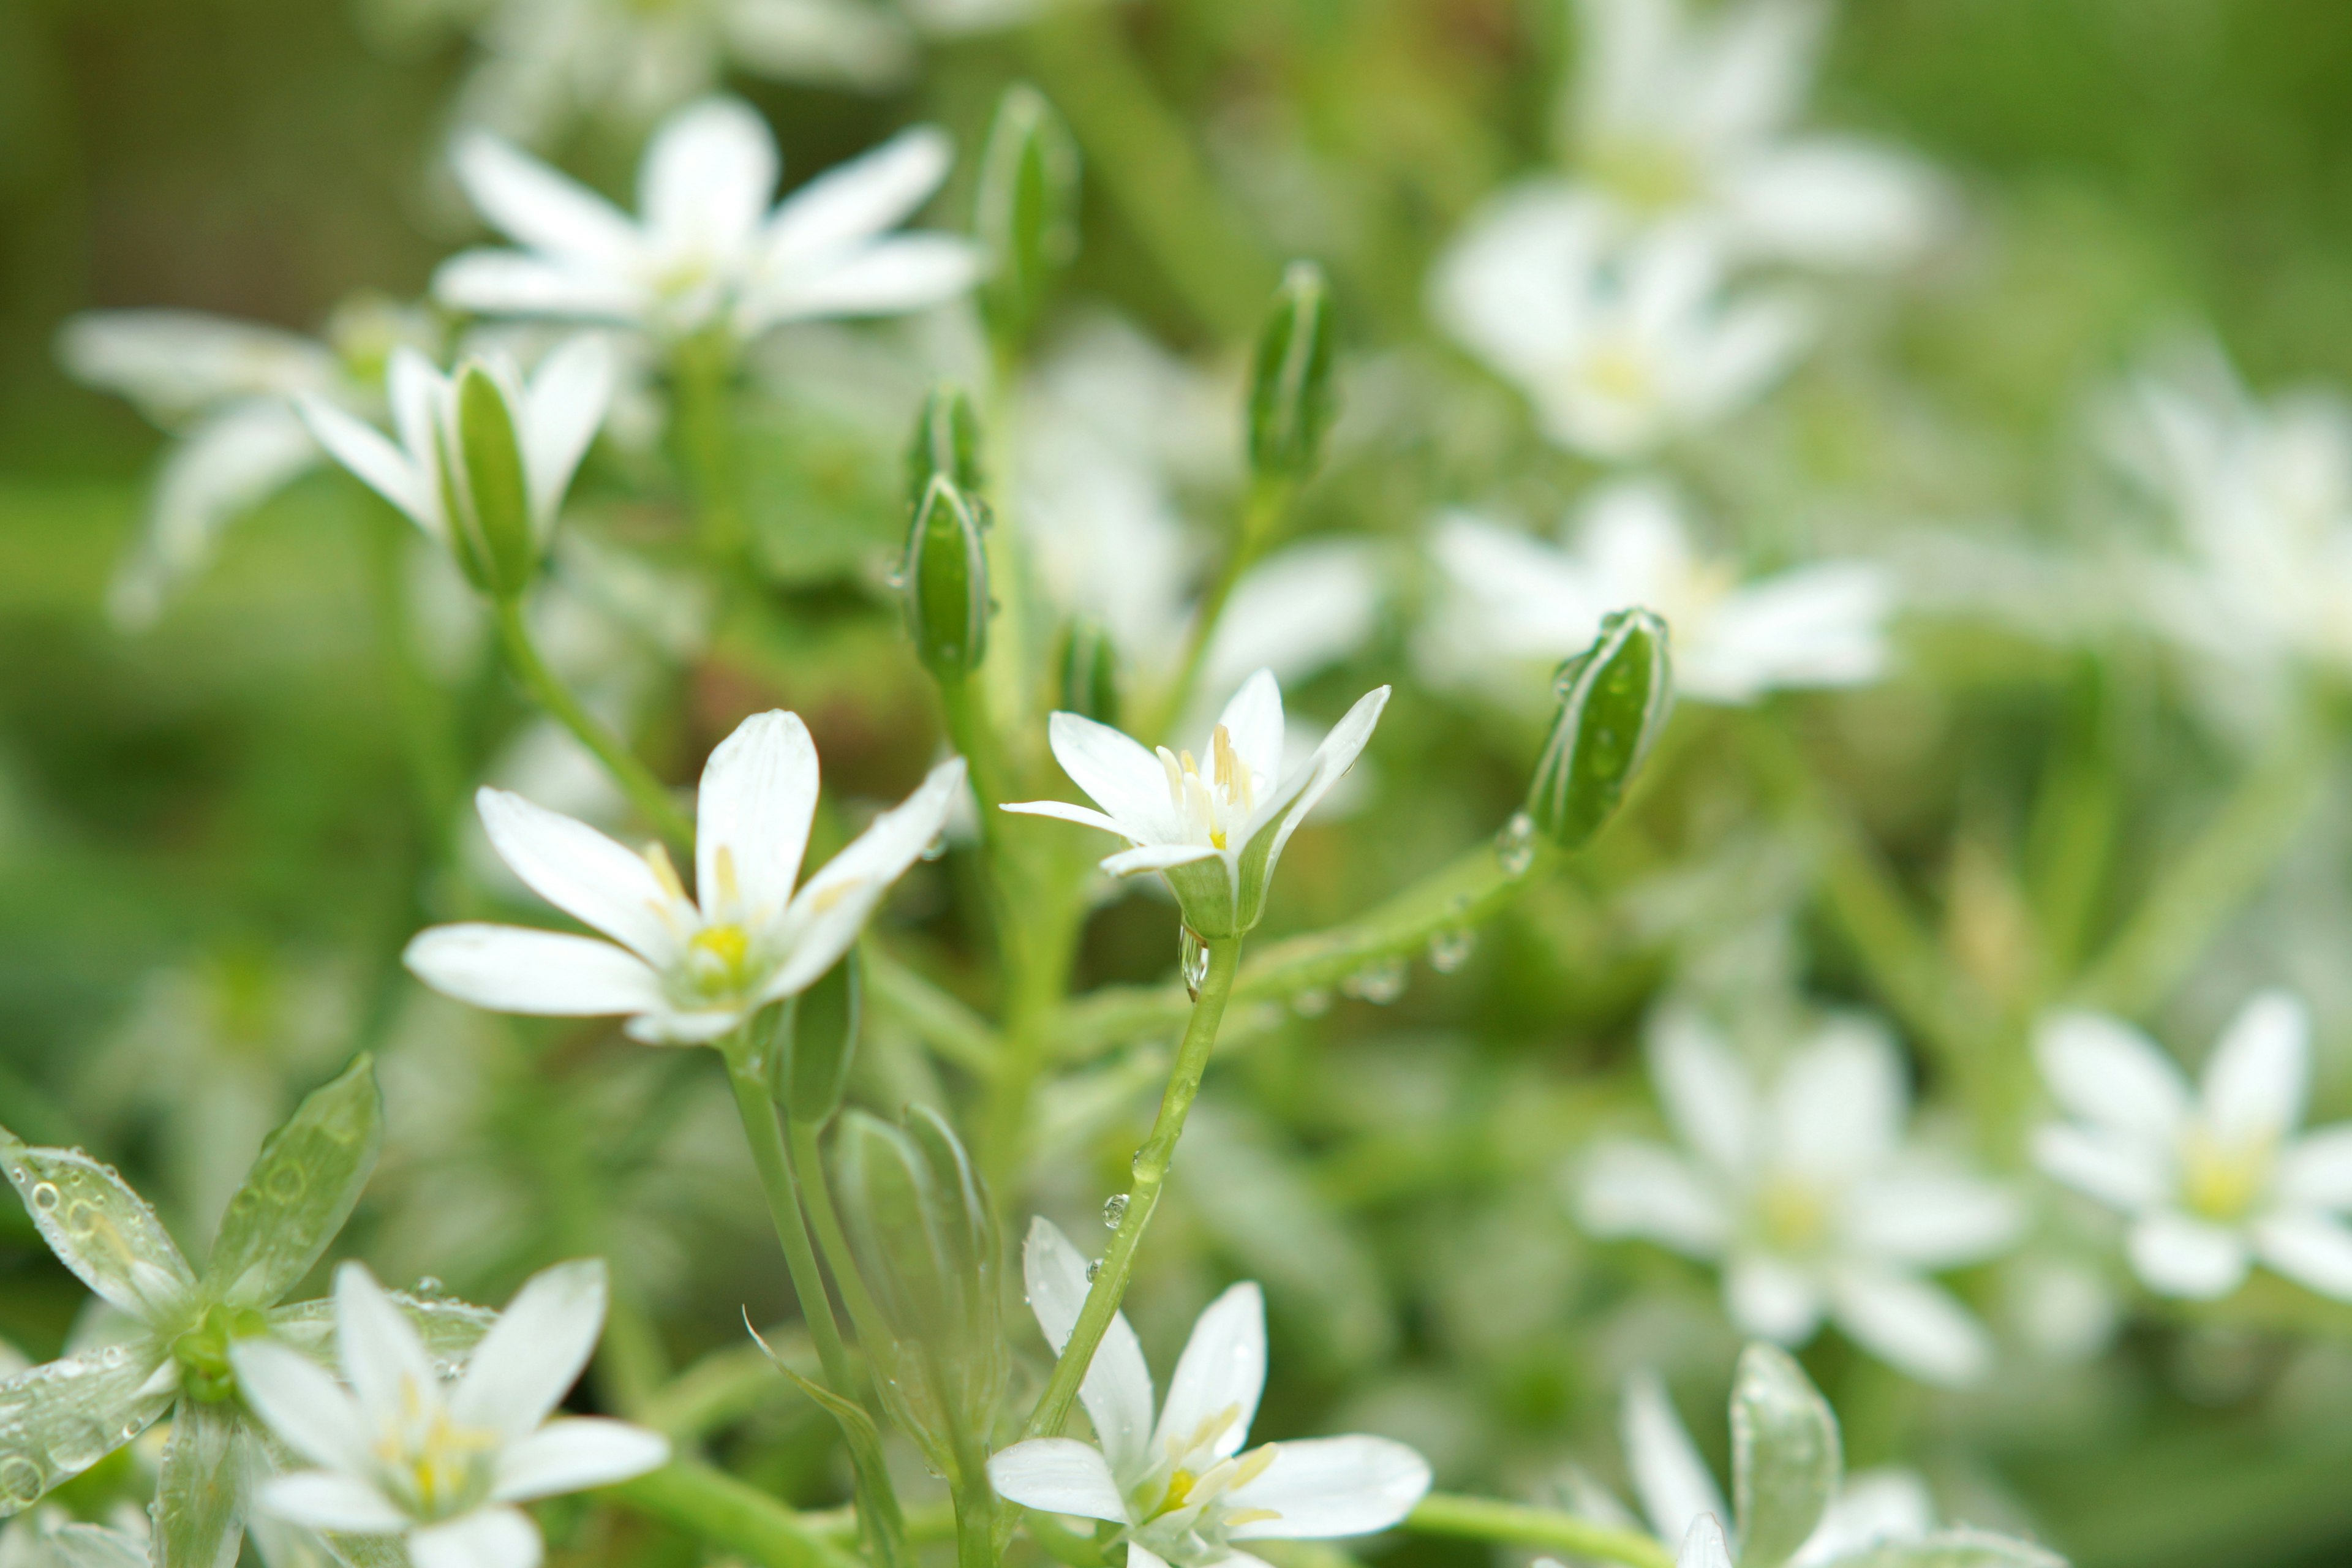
{"x":1648,"y":173}
{"x":1793,"y":1213}
{"x":2220,"y":1181}
{"x":715,"y":957}
{"x":436,"y":1467}
{"x":1213,"y":807}
{"x":1619,"y":371}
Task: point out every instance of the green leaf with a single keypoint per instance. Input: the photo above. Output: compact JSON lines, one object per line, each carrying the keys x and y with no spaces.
{"x":1785,"y":1463}
{"x":821,"y":1026}
{"x":103,"y":1231}
{"x":64,"y":1417}
{"x":76,"y":1546}
{"x":299,"y":1193}
{"x":449,"y":1329}
{"x":200,"y":1499}
{"x":1953,"y":1549}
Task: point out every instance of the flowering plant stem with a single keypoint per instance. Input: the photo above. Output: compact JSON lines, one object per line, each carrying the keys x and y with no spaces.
{"x":1152,"y":1164}
{"x":878,"y":1505}
{"x":731,"y":1513}
{"x":702,"y":372}
{"x":644,"y":791}
{"x":1484,"y":1518}
{"x":1262,"y":515}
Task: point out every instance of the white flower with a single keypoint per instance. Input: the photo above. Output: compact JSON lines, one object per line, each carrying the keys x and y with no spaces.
{"x":1681,"y":118}
{"x":227,"y":389}
{"x":1217,"y":836}
{"x":399,"y":1454}
{"x":555,"y":414}
{"x":1183,"y":1491}
{"x":1806,"y":1195}
{"x":2212,"y":1178}
{"x":707,"y":248}
{"x":685,"y":972}
{"x":1622,"y":347}
{"x":1512,"y":599}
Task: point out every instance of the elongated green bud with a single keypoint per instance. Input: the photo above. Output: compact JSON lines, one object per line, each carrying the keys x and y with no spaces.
{"x":1291,"y":403}
{"x":817,"y":1044}
{"x":947,"y":441}
{"x":1089,"y":670}
{"x":945,"y":580}
{"x":924,"y":1234}
{"x":1028,"y":208}
{"x":484,"y":492}
{"x":1613,"y":700}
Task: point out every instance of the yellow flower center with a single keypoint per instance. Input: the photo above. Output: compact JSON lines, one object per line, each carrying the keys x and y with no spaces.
{"x":1214,"y":805}
{"x":1620,"y":372}
{"x":2220,"y":1181}
{"x":1648,"y":174}
{"x":1793,"y":1213}
{"x":442,"y":1468}
{"x":715,"y":955}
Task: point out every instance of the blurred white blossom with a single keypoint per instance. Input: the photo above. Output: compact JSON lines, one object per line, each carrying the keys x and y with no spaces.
{"x":2213,"y":1179}
{"x":1805,"y":1192}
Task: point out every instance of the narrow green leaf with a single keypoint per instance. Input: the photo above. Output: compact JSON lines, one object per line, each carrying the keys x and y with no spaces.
{"x":1785,"y":1462}
{"x":200,"y":1499}
{"x":496,"y":520}
{"x":299,"y":1193}
{"x":64,"y":1417}
{"x":822,"y":1045}
{"x":103,"y":1231}
{"x":1953,"y":1549}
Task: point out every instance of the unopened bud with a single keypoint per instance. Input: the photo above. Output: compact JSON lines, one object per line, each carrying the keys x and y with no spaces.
{"x":1089,"y":667}
{"x":817,"y":1044}
{"x":947,"y":441}
{"x":484,"y":492}
{"x":1613,"y":700}
{"x":945,"y":580}
{"x":1028,"y":208}
{"x":1291,"y":403}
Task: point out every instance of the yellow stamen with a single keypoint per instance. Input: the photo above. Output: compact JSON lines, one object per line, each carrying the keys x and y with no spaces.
{"x":657,"y":857}
{"x":2221,"y":1181}
{"x":726,"y":944}
{"x":722,"y":871}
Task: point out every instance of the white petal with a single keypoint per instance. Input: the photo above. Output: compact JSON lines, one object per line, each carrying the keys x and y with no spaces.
{"x":574,"y":1454}
{"x":1840,"y":1104}
{"x":509,"y":283}
{"x":759,"y":794}
{"x":706,"y":179}
{"x":1327,"y":1487}
{"x":302,"y":1405}
{"x":1771,"y":1298}
{"x":328,"y":1499}
{"x":1254,"y":720}
{"x":1058,"y":1475}
{"x":1509,"y":288}
{"x":378,"y":464}
{"x":2254,"y":1085}
{"x":1835,"y":202}
{"x":1931,"y":1220}
{"x":1116,"y":1392}
{"x":1157,"y":857}
{"x":2317,"y":1170}
{"x":586,"y":875}
{"x":819,"y":925}
{"x":2123,"y":1171}
{"x":1220,"y":1376}
{"x":1818,"y":626}
{"x":228,"y":466}
{"x":561,"y":415}
{"x":541,"y":208}
{"x":910,"y":272}
{"x":2175,"y":1255}
{"x":1297,"y":611}
{"x":507,"y":969}
{"x":535,"y":1352}
{"x":495,"y":1537}
{"x":845,"y":206}
{"x":1640,"y":1189}
{"x":2108,"y":1073}
{"x":1326,"y":768}
{"x":1084,"y":816}
{"x":1872,"y":1507}
{"x":1708,"y":1092}
{"x":1703,"y":1546}
{"x":385,"y":1362}
{"x":1911,"y":1325}
{"x":418,"y":393}
{"x":175,"y":363}
{"x":1117,"y":774}
{"x":1671,"y":1481}
{"x":2313,"y":1250}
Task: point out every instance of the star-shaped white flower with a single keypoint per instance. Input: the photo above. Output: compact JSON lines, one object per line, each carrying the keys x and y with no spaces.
{"x":706,"y":247}
{"x":398,"y":1453}
{"x":1622,"y":346}
{"x":1183,"y":1490}
{"x":1511,"y":599}
{"x":1216,"y":834}
{"x":556,"y":414}
{"x":1679,"y":118}
{"x":2213,"y":1178}
{"x":1806,"y":1195}
{"x":686,"y":972}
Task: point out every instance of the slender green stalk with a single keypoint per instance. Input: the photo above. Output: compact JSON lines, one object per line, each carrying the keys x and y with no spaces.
{"x":1484,"y":1518}
{"x":1261,"y":518}
{"x":732,"y":1514}
{"x":435,"y":769}
{"x":702,"y":374}
{"x":1152,"y":1164}
{"x":808,"y":1171}
{"x":644,"y":791}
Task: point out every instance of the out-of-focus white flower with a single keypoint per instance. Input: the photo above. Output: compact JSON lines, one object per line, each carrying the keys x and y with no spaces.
{"x":1183,"y":1491}
{"x":1622,"y":346}
{"x":1681,"y":118}
{"x":228,"y":388}
{"x":2262,"y":496}
{"x":707,"y":248}
{"x":1217,"y":836}
{"x":1512,"y":600}
{"x":399,"y":1455}
{"x":684,"y":971}
{"x":2214,"y":1178}
{"x":1806,"y":1194}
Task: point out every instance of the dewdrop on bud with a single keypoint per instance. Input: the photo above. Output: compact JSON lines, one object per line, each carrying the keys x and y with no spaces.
{"x":1613,"y":698}
{"x":945,"y":581}
{"x":1291,"y":402}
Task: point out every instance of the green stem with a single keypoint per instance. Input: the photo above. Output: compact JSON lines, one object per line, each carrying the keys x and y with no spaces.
{"x":1484,"y":1519}
{"x":1152,"y":1165}
{"x":702,"y":372}
{"x":1262,"y":515}
{"x":647,"y":791}
{"x":435,"y":768}
{"x":732,"y":1514}
{"x":808,"y":1170}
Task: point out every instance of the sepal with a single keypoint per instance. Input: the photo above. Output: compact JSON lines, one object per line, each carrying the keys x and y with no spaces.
{"x":1613,"y":701}
{"x":485,"y":492}
{"x":1028,"y":209}
{"x":945,"y":581}
{"x":1291,"y":402}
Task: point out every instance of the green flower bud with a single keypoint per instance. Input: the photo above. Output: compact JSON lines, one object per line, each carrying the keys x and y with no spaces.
{"x":945,"y":580}
{"x":947,"y":441}
{"x":1291,"y":403}
{"x":817,"y":1044}
{"x":1028,"y":208}
{"x":923,"y":1232}
{"x":1613,"y":700}
{"x":1089,"y":670}
{"x":484,"y":493}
